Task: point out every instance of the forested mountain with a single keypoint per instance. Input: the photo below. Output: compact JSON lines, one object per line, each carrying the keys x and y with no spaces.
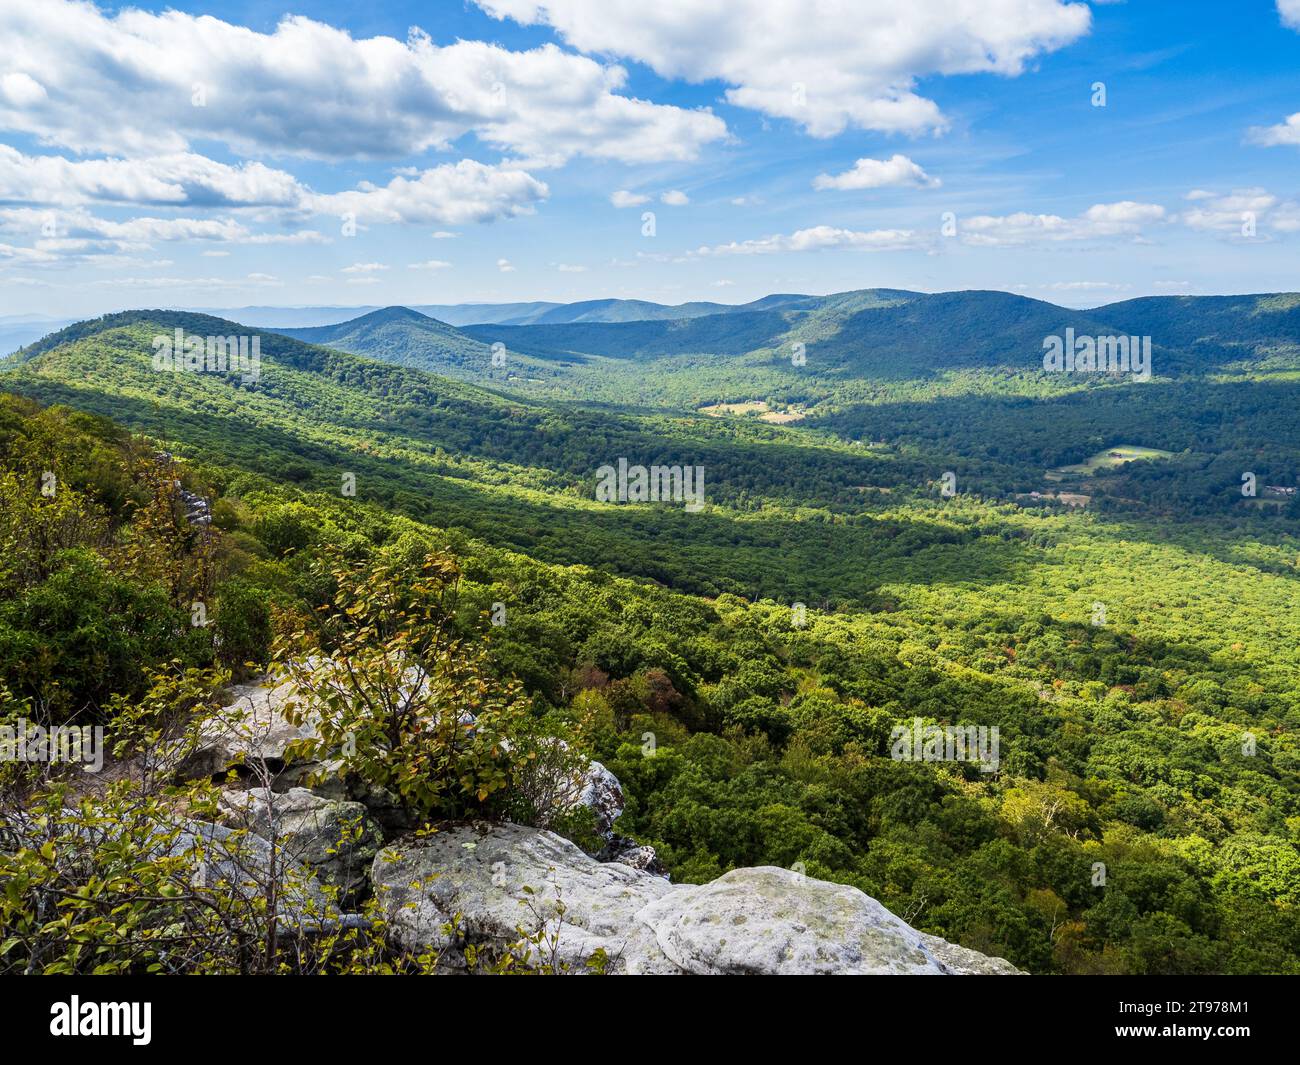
{"x":826,"y":592}
{"x":402,"y":337}
{"x":528,"y":313}
{"x":884,"y":333}
{"x":954,"y":380}
{"x":616,"y":310}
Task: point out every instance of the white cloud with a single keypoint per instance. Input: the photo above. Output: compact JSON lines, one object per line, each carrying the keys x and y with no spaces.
{"x":461,"y":192}
{"x":87,"y":80}
{"x":453,"y":193}
{"x":1290,"y":12}
{"x":430,"y":264}
{"x":623,"y":198}
{"x":817,"y":238}
{"x":675,"y":198}
{"x":1107,"y":219}
{"x":71,"y":230}
{"x":442,"y":234}
{"x":1104,"y":220}
{"x":10,"y":253}
{"x":840,"y":63}
{"x":1285,"y":133}
{"x":181,"y":179}
{"x":21,"y":90}
{"x":569,"y":268}
{"x":897,"y":170}
{"x":1231,"y":213}
{"x":364,"y":268}
{"x":1286,"y":219}
{"x":505,"y":266}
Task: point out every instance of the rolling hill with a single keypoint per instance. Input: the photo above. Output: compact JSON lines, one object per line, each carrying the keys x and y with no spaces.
{"x":1121,"y":743}
{"x":402,"y":337}
{"x":405,"y":337}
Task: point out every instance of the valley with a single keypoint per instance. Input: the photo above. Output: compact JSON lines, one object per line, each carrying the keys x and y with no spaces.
{"x":1130,"y":652}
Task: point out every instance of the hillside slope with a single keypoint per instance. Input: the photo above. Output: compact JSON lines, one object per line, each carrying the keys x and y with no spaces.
{"x":1161,"y":743}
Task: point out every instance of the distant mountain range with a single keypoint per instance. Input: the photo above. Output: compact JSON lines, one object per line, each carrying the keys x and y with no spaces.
{"x":882,"y":334}
{"x":17,"y":331}
{"x":20,"y":330}
{"x":893,"y":314}
{"x":869,"y":334}
{"x":534,"y":313}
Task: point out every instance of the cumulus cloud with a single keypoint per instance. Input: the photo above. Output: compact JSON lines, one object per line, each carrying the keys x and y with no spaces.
{"x":1104,"y":220}
{"x":430,"y":264}
{"x":1241,"y":212}
{"x":180,"y":179}
{"x":21,"y":90}
{"x":897,"y":170}
{"x":843,"y":63}
{"x":817,"y":238}
{"x":1284,"y":133}
{"x":623,"y":198}
{"x":453,"y":194}
{"x":675,"y":198}
{"x":68,"y":230}
{"x":1290,"y":12}
{"x":310,"y":89}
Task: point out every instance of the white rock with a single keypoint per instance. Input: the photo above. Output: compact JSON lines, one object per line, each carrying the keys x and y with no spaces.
{"x":601,"y":791}
{"x":774,"y":921}
{"x":335,"y":839}
{"x":251,"y":727}
{"x":763,"y":920}
{"x":479,"y":872}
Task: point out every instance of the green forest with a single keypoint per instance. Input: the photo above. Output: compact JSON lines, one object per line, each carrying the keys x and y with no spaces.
{"x":901,"y":552}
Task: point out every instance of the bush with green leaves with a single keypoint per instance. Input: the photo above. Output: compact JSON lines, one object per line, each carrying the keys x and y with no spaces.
{"x":400,"y":700}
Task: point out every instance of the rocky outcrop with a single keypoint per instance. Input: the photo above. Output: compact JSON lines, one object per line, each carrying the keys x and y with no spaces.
{"x":478,"y":873}
{"x":600,"y":791}
{"x":337,"y":840}
{"x":472,"y":892}
{"x":770,"y":920}
{"x":490,"y":886}
{"x":241,"y":864}
{"x":628,"y":851}
{"x":966,"y":962}
{"x":251,"y":728}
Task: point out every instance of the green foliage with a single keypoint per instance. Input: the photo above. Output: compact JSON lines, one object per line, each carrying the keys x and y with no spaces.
{"x":109,"y":886}
{"x":666,"y":642}
{"x":398,"y":700}
{"x":83,"y":634}
{"x":243,"y":625}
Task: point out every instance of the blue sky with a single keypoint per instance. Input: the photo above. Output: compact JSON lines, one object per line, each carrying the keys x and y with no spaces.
{"x":215,"y":154}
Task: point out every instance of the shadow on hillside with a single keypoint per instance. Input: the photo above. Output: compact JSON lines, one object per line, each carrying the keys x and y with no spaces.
{"x":1005,"y":445}
{"x":706,"y":553}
